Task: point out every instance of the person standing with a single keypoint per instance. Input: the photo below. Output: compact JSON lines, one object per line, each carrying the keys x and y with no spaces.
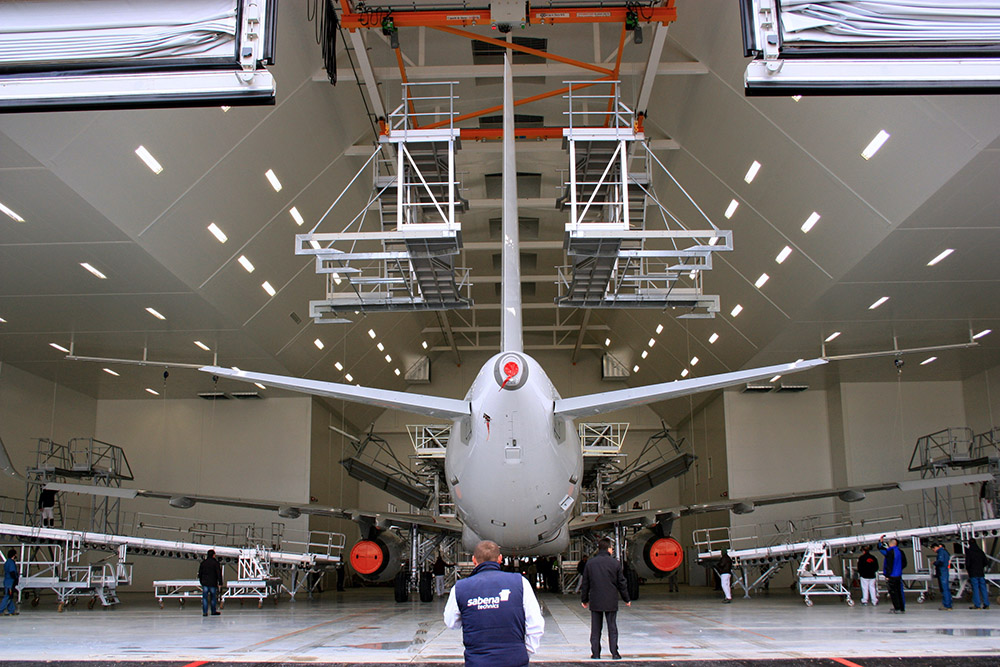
{"x":580,"y":567}
{"x":975,"y":565}
{"x":10,"y":579}
{"x":440,"y":567}
{"x":210,"y":577}
{"x":892,"y":568}
{"x":725,"y":570}
{"x":47,"y":503}
{"x":941,"y":564}
{"x":497,"y":611}
{"x":603,"y":583}
{"x":867,"y":571}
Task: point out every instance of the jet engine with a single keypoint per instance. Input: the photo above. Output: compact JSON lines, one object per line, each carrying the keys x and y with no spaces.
{"x":651,"y":554}
{"x":380,"y":558}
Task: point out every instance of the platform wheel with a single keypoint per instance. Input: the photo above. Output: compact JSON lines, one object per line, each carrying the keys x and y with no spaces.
{"x":61,"y":606}
{"x":182,"y":601}
{"x":72,"y":603}
{"x":91,"y":603}
{"x":850,"y":602}
{"x":161,"y":604}
{"x":809,"y":602}
{"x":921,"y":598}
{"x":260,"y":604}
{"x":34,"y":601}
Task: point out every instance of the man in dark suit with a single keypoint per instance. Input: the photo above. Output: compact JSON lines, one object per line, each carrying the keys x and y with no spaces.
{"x":603,"y":582}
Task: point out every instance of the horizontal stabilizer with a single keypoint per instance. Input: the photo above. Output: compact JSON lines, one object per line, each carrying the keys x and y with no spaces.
{"x":419,"y":404}
{"x":608,"y":401}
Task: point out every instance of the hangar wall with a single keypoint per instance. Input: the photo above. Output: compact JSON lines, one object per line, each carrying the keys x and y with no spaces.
{"x":329,"y":483}
{"x":982,"y":400}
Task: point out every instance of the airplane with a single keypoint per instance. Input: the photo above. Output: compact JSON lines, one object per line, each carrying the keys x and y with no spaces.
{"x":514,"y":463}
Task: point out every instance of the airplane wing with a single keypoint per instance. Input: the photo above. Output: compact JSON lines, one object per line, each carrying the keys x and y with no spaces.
{"x":849,"y":494}
{"x":607,"y":401}
{"x":284,"y":509}
{"x":420,"y":404}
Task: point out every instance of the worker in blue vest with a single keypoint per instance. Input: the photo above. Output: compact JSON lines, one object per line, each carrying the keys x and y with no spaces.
{"x":10,"y":581}
{"x":497,"y":611}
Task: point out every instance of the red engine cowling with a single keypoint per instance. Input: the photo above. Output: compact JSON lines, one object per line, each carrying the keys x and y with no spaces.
{"x":651,"y":555}
{"x":379,"y":559}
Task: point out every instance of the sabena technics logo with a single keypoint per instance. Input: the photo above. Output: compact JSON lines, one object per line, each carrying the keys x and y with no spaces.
{"x":489,"y":602}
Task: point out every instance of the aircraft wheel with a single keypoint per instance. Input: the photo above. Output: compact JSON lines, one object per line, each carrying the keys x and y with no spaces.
{"x":401,"y":587}
{"x":632,"y":583}
{"x":426,"y":587}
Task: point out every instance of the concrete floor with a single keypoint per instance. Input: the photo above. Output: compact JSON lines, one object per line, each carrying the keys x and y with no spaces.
{"x":366,"y":626}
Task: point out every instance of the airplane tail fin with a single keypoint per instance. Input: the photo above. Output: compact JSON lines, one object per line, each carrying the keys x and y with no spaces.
{"x":510,"y":294}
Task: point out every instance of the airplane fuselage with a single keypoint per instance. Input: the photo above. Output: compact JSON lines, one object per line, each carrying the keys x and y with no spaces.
{"x":513,"y":467}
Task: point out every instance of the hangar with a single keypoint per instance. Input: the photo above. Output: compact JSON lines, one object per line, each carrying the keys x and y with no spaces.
{"x":145,"y":243}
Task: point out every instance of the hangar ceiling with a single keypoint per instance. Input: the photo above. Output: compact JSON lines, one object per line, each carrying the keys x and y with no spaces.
{"x":86,"y":197}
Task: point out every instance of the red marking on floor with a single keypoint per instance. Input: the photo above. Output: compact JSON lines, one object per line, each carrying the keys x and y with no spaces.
{"x":846,"y":663}
{"x":197,"y":664}
{"x":298,"y":632}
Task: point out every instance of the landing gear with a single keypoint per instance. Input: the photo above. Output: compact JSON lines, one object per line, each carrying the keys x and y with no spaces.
{"x":401,"y":586}
{"x":426,"y":587}
{"x":632,"y":583}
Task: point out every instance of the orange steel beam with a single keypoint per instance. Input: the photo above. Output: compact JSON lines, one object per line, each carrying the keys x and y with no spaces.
{"x":481,"y":17}
{"x":526,"y":49}
{"x":618,"y":66}
{"x":525,"y":100}
{"x":402,"y":74}
{"x":477,"y":134}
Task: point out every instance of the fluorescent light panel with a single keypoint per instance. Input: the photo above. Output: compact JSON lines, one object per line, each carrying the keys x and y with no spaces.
{"x":775,"y":378}
{"x":339,"y":366}
{"x":940,"y":257}
{"x":273,"y":180}
{"x":928,"y":360}
{"x":645,"y":353}
{"x":694,"y":361}
{"x":246,"y":263}
{"x":832,"y":336}
{"x":733,"y":205}
{"x":268,"y":288}
{"x":635,"y":369}
{"x":760,"y":281}
{"x":875,"y":144}
{"x":93,"y":270}
{"x":737,"y":309}
{"x":315,"y":244}
{"x":388,"y":359}
{"x":349,"y":378}
{"x":652,"y":342}
{"x":684,"y":373}
{"x":752,"y":172}
{"x":984,"y":332}
{"x":810,"y":222}
{"x":59,"y":347}
{"x":148,"y":158}
{"x":714,"y":337}
{"x":396,"y":371}
{"x":152,"y":391}
{"x":296,"y":216}
{"x":218,"y":233}
{"x":155,"y":313}
{"x":713,"y":240}
{"x":371,"y":334}
{"x":111,"y":372}
{"x":878,"y":302}
{"x":202,"y":346}
{"x":3,"y":321}
{"x":318,"y":343}
{"x":424,"y":345}
{"x":259,"y":385}
{"x":607,"y":341}
{"x":659,"y":328}
{"x":381,"y":347}
{"x":10,"y":213}
{"x":783,"y":255}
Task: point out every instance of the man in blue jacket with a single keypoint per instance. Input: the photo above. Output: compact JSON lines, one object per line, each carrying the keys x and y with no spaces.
{"x":941,"y":572}
{"x":497,"y":611}
{"x":10,"y":577}
{"x":892,"y":568}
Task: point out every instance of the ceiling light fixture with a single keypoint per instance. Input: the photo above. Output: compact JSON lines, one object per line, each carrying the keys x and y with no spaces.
{"x":381,"y":347}
{"x":202,"y":346}
{"x":273,"y":180}
{"x":339,"y":366}
{"x":752,"y":171}
{"x":659,"y":328}
{"x":733,"y":205}
{"x":152,"y":391}
{"x":296,"y":216}
{"x":684,"y":373}
{"x":396,"y":371}
{"x":148,"y":158}
{"x":940,"y":257}
{"x":315,"y":244}
{"x":796,"y":98}
{"x":737,"y":309}
{"x":713,"y":240}
{"x":928,"y":360}
{"x":694,"y":361}
{"x":984,"y":332}
{"x":268,"y":288}
{"x":875,"y":144}
{"x":775,"y":378}
{"x":246,"y":263}
{"x":879,"y":302}
{"x":10,"y":214}
{"x":810,"y":222}
{"x":225,"y":109}
{"x":714,"y":337}
{"x":831,"y":336}
{"x":3,"y":321}
{"x":783,"y":255}
{"x":59,"y":347}
{"x":371,"y":334}
{"x":259,"y":385}
{"x":424,"y":345}
{"x":760,"y":281}
{"x":318,"y":343}
{"x":635,"y":369}
{"x":607,"y":342}
{"x":652,"y":342}
{"x":349,"y":378}
{"x":218,"y":233}
{"x":388,"y":359}
{"x":645,"y":353}
{"x":111,"y":372}
{"x":155,"y":313}
{"x":94,"y":271}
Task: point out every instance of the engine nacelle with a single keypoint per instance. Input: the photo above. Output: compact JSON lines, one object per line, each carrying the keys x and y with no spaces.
{"x":654,"y":556}
{"x":381,"y":558}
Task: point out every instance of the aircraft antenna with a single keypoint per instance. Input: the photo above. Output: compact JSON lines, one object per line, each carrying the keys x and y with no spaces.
{"x":510,"y":294}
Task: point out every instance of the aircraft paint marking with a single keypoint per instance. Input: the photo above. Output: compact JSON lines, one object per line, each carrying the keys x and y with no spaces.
{"x":510,"y":369}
